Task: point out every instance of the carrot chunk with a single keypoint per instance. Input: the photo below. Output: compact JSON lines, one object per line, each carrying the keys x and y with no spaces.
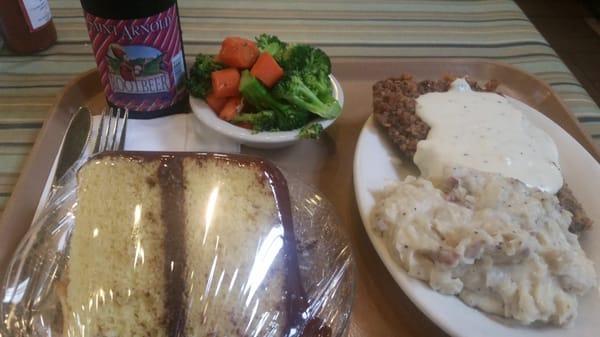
{"x":267,"y":70}
{"x":225,"y":83}
{"x":214,"y":102}
{"x":231,"y":108}
{"x":238,"y":53}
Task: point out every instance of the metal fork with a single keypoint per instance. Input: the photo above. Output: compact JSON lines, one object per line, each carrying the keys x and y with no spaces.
{"x":111,"y":132}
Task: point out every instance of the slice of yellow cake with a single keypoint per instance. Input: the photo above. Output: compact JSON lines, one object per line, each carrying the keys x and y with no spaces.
{"x":234,"y":244}
{"x":116,"y":284}
{"x":181,"y":245}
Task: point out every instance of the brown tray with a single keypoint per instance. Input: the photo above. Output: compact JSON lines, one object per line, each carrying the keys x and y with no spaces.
{"x":381,"y":309}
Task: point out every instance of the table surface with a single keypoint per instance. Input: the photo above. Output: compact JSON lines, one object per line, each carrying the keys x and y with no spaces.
{"x":495,"y":29}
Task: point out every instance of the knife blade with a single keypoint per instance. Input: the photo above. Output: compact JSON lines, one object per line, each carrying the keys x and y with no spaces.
{"x":74,"y":142}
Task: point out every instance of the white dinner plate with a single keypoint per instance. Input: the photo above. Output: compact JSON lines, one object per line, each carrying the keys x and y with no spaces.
{"x":376,"y":164}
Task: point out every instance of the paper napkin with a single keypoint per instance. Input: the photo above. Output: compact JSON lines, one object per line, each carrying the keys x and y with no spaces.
{"x":180,"y":132}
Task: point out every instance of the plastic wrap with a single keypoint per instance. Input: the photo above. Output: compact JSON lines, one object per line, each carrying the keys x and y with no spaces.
{"x":180,"y":245}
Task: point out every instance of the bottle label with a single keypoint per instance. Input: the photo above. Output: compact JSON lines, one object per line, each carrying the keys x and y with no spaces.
{"x":140,"y":60}
{"x":36,"y":12}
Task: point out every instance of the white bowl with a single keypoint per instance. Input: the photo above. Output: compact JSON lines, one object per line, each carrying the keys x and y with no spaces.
{"x":263,"y":140}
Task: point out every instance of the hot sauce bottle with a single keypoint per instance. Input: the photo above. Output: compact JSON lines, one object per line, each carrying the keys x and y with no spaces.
{"x":27,"y":25}
{"x":139,"y":53}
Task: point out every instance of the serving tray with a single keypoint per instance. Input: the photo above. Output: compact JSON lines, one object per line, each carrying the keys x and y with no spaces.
{"x":381,"y":308}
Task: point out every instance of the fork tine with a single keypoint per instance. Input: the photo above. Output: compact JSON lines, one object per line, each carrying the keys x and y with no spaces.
{"x":122,"y":126}
{"x":99,"y":135}
{"x":118,"y":123}
{"x":115,"y":112}
{"x":111,"y":132}
{"x":110,"y":141}
{"x":124,"y":132}
{"x":105,"y":131}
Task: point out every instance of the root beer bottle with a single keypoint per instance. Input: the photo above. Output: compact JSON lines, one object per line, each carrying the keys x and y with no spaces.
{"x":139,"y":53}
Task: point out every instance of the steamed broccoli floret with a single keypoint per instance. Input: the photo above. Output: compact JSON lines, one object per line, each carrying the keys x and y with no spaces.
{"x":261,"y":121}
{"x":302,"y":57}
{"x":319,"y":84}
{"x":292,"y":89}
{"x":291,"y":118}
{"x":313,"y":67}
{"x":311,"y":131}
{"x":286,"y":116}
{"x":256,"y":94}
{"x":272,"y":45}
{"x":199,"y":82}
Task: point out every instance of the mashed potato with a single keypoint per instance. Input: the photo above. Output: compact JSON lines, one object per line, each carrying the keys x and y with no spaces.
{"x":500,"y":246}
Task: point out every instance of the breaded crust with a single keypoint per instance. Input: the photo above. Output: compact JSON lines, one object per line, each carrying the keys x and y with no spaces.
{"x":580,"y":221}
{"x":394,"y":106}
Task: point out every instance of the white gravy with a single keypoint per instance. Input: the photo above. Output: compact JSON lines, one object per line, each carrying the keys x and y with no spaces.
{"x":484,"y":131}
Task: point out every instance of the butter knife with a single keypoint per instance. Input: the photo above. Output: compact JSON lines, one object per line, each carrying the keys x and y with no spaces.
{"x":74,"y":143}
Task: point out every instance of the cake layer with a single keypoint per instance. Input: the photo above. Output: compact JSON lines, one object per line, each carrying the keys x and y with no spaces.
{"x":234,"y":240}
{"x":116,"y":283}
